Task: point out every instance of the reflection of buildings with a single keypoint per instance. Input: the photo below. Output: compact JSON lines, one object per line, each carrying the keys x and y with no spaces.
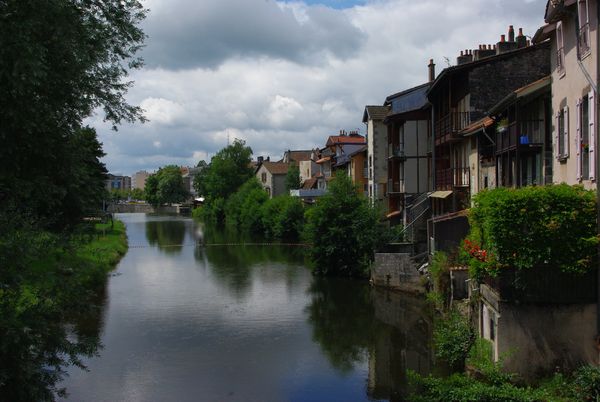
{"x":404,"y":345}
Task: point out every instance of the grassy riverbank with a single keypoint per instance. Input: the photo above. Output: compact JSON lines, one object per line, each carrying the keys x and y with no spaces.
{"x":49,"y":281}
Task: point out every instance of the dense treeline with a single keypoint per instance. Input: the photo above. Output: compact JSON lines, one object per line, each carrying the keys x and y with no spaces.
{"x":342,"y":228}
{"x":59,"y":62}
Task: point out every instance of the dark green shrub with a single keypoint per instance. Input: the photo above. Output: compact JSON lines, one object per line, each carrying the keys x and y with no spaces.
{"x":283,"y":217}
{"x":344,"y":230}
{"x":453,"y":338}
{"x":242,"y":209}
{"x":586,"y":383}
{"x":532,"y":227}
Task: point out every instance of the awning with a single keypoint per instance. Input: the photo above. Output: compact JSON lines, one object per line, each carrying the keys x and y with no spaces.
{"x":392,"y":214}
{"x":325,"y":159}
{"x":440,"y":194}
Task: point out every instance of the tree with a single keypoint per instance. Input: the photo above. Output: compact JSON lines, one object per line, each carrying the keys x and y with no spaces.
{"x":199,"y":177}
{"x":59,"y":61}
{"x":166,"y":186}
{"x":343,"y":229}
{"x":229,"y":169}
{"x":292,"y":179}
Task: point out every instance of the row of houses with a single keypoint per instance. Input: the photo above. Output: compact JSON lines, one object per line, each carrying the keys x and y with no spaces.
{"x":345,"y":152}
{"x":516,"y":113}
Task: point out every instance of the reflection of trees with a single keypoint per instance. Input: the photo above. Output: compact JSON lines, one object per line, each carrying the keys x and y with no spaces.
{"x":36,"y":347}
{"x":343,"y":320}
{"x":232,"y":264}
{"x":166,"y":233}
{"x":350,"y":320}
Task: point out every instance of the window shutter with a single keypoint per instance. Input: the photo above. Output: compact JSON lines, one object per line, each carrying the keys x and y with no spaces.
{"x":592,"y":134}
{"x":566,"y":131}
{"x":557,"y":135}
{"x":578,"y":139}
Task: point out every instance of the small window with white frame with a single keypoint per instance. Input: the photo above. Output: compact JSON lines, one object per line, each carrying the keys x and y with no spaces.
{"x":560,"y":51}
{"x":583,"y":33}
{"x":561,"y":134}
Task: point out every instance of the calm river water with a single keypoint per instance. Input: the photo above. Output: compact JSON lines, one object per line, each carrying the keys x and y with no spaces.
{"x":182,"y":322}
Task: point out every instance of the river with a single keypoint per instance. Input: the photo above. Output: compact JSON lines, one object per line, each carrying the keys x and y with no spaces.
{"x":182,"y":321}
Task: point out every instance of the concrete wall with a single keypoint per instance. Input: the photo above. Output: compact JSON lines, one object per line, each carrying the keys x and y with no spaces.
{"x":396,"y":271}
{"x":537,"y":339}
{"x":140,"y":208}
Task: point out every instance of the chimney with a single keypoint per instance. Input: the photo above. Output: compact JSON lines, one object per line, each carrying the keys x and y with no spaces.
{"x":504,"y":46}
{"x":464,"y":57}
{"x":483,"y":51}
{"x":521,"y":39}
{"x":260,"y":159}
{"x":431,"y":68}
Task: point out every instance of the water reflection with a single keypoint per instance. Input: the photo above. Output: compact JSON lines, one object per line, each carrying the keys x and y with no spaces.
{"x":354,"y":323}
{"x":40,"y":346}
{"x":242,"y":323}
{"x":168,"y":235}
{"x":235,"y":265}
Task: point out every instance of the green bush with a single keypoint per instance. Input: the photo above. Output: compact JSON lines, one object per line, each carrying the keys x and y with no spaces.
{"x":461,"y":388}
{"x":532,"y":227}
{"x":283,"y":217}
{"x":344,"y":230}
{"x":242,"y":209}
{"x":586,"y":384}
{"x":453,"y":338}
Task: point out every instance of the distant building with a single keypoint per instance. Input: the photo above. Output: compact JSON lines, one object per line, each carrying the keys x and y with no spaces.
{"x":271,"y":175}
{"x":118,"y":182}
{"x":138,"y":180}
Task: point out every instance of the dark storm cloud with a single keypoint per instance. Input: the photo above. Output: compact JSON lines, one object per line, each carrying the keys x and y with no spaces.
{"x":189,"y":33}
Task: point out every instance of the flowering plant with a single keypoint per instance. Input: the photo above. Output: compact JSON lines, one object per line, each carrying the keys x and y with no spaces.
{"x":475,"y":250}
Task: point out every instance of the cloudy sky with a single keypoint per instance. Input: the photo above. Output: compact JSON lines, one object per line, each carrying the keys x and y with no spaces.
{"x":286,"y":74}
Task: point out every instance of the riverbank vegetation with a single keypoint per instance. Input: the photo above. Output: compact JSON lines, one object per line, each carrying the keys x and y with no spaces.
{"x":342,"y":227}
{"x":48,"y":280}
{"x":60,"y":62}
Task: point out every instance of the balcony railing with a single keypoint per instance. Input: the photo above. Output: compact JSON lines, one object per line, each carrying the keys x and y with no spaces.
{"x":446,"y":127}
{"x":560,"y":60}
{"x":447,"y":179}
{"x":583,"y":40}
{"x":396,"y":152}
{"x":525,"y":133}
{"x":395,"y":187}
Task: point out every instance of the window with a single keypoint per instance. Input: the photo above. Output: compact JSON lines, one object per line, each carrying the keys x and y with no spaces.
{"x":561,"y":134}
{"x":585,"y":144}
{"x":583,"y":35}
{"x":263,"y":177}
{"x":560,"y":53}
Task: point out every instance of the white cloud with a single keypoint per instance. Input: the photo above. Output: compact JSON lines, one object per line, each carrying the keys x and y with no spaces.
{"x":276,"y":98}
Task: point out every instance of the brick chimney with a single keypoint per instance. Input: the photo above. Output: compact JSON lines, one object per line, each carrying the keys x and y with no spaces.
{"x":483,"y":51}
{"x":431,"y":69}
{"x":465,"y":57}
{"x":521,"y":39}
{"x":505,"y":46}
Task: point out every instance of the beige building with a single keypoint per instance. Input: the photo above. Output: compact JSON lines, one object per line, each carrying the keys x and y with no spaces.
{"x":572,"y":27}
{"x":139,"y":179}
{"x":271,"y":176}
{"x":373,"y":117}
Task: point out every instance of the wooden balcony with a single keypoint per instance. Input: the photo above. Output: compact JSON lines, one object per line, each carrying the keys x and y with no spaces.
{"x":447,"y":127}
{"x":395,"y":187}
{"x":448,"y":179}
{"x":530,"y":135}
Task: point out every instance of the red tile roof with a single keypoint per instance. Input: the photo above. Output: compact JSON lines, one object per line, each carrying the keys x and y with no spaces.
{"x":346,"y":139}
